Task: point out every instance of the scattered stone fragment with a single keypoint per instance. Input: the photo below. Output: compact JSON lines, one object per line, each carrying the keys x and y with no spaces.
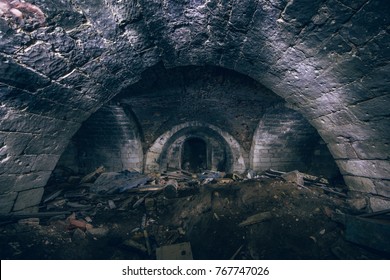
{"x":111,"y":204}
{"x":294,"y":177}
{"x":78,"y":235}
{"x":99,"y":231}
{"x":357,"y":203}
{"x":135,"y":245}
{"x":29,"y":221}
{"x":150,"y":204}
{"x":257,"y":218}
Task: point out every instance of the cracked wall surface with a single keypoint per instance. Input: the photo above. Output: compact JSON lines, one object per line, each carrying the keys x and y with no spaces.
{"x":327,"y":58}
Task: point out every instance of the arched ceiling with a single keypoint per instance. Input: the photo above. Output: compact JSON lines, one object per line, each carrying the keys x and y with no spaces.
{"x":328,"y":58}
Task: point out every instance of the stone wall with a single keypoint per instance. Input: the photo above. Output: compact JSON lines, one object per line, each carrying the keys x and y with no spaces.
{"x":328,"y":58}
{"x":285,"y":141}
{"x":109,"y":138}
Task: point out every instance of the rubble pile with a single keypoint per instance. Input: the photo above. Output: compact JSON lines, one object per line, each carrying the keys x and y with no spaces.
{"x":210,"y":215}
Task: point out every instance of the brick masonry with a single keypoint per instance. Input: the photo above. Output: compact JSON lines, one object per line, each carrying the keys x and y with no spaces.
{"x":327,"y":58}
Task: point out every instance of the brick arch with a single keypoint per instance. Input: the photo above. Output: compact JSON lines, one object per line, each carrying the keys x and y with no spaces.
{"x":218,"y":150}
{"x":284,"y":140}
{"x":109,"y":138}
{"x":159,"y":151}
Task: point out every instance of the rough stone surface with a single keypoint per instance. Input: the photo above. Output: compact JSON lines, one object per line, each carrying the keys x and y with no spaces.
{"x":31,"y":180}
{"x":382,"y":187}
{"x":357,"y":203}
{"x":29,"y":210}
{"x":294,"y":177}
{"x":27,"y":199}
{"x":328,"y":59}
{"x":379,"y":204}
{"x":377,"y":169}
{"x":360,"y":184}
{"x":7,"y":182}
{"x":7,"y":202}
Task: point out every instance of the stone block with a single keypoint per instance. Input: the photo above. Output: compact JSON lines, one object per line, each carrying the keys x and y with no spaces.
{"x":378,"y":169}
{"x":294,"y":177}
{"x":29,"y":210}
{"x":17,"y":142}
{"x":25,"y":122}
{"x":326,"y":135}
{"x":66,"y":17}
{"x":342,"y":151}
{"x":7,"y":201}
{"x":242,"y":13}
{"x":31,"y":180}
{"x":383,"y":187}
{"x":46,"y":145}
{"x":379,"y":204}
{"x":3,"y":135}
{"x":20,"y":76}
{"x":11,"y":40}
{"x":360,"y":184}
{"x":7,"y":182}
{"x":372,"y":149}
{"x":356,"y":4}
{"x":27,"y":199}
{"x":45,"y":162}
{"x":347,"y":130}
{"x":300,"y":11}
{"x":372,"y":108}
{"x":367,"y":21}
{"x":37,"y":57}
{"x":357,"y":203}
{"x":134,"y":160}
{"x":18,"y":164}
{"x":375,"y":79}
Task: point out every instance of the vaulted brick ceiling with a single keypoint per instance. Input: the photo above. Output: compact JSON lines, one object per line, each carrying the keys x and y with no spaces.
{"x":329,"y":59}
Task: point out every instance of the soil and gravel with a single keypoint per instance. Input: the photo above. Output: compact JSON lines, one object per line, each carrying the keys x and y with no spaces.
{"x":300,"y":223}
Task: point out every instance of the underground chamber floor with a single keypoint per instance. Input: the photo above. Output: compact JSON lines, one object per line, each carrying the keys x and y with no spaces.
{"x":252,"y":219}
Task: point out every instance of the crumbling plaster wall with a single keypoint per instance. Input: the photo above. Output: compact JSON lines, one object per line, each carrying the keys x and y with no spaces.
{"x":329,"y":58}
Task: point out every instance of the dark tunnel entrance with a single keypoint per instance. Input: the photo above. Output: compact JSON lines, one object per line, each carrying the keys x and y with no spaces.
{"x":194,"y":155}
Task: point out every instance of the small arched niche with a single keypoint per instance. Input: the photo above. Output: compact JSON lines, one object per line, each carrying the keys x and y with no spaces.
{"x":194,"y":155}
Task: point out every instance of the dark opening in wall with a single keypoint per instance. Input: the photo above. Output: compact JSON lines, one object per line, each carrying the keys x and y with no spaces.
{"x":194,"y":155}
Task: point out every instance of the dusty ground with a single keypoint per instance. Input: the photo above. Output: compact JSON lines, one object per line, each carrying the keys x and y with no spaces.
{"x":301,"y":224}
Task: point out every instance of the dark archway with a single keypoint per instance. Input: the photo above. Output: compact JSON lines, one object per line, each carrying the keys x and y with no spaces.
{"x":194,"y":155}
